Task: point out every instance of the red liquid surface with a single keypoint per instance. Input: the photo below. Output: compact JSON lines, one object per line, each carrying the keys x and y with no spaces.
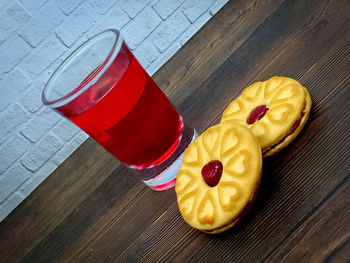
{"x":127,"y":113}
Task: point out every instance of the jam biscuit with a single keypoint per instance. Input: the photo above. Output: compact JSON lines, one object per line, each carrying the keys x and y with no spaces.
{"x":219,"y":177}
{"x":275,"y":110}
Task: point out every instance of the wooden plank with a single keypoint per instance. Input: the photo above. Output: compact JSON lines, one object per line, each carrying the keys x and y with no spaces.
{"x":169,"y":238}
{"x":149,"y":235}
{"x":93,"y":209}
{"x":210,"y":47}
{"x":250,"y":246}
{"x":243,"y":17}
{"x":108,"y":201}
{"x":272,"y":50}
{"x":53,"y":200}
{"x":325,"y":236}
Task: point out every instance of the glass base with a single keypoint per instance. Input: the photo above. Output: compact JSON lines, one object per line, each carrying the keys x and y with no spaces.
{"x":167,"y":178}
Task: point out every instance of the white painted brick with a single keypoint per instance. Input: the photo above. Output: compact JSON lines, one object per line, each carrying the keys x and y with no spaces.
{"x":65,"y":129}
{"x":41,"y":152}
{"x":146,"y":53}
{"x":140,"y":27}
{"x":3,"y":99}
{"x":163,"y":58}
{"x":10,"y":204}
{"x":12,"y":86}
{"x":115,"y":18}
{"x":32,"y":99}
{"x":67,"y":6}
{"x":40,"y":124}
{"x":217,"y":6}
{"x":51,"y":15}
{"x":46,"y":53}
{"x":47,"y":73}
{"x":69,"y":148}
{"x":64,"y":153}
{"x":38,"y":177}
{"x":169,"y":30}
{"x":194,"y":8}
{"x":81,"y":137}
{"x":82,"y":18}
{"x":13,"y":116}
{"x":73,"y":21}
{"x":133,"y":7}
{"x":101,"y":7}
{"x":33,"y":5}
{"x":34,"y":32}
{"x":83,"y":38}
{"x":11,"y":20}
{"x":166,"y":8}
{"x":193,"y":29}
{"x":12,"y":51}
{"x":12,"y":179}
{"x":11,"y":150}
{"x":3,"y":3}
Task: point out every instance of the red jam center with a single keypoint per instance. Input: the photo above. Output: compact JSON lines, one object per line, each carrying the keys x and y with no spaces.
{"x":211,"y":173}
{"x":296,"y":124}
{"x":257,"y":114}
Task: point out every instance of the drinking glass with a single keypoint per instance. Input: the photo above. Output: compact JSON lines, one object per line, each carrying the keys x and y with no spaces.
{"x":104,"y":90}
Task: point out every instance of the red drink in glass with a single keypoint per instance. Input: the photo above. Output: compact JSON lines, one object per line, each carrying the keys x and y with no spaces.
{"x":134,"y":120}
{"x":120,"y":106}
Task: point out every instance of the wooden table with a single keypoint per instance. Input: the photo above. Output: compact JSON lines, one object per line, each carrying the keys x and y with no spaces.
{"x":92,"y":209}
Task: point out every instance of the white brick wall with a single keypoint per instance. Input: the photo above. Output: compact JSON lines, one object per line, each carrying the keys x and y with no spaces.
{"x":35,"y":36}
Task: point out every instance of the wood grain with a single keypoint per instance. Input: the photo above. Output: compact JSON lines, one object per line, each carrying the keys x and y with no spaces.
{"x":324,"y":236}
{"x":205,"y":52}
{"x":91,"y":209}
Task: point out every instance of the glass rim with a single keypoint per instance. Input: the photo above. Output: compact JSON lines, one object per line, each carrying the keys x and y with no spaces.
{"x":90,"y":79}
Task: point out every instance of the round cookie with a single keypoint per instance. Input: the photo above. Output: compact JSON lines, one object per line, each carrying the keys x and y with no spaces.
{"x":219,"y":177}
{"x":275,"y":110}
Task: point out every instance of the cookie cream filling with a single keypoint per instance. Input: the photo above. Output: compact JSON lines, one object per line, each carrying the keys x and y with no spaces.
{"x":291,"y":131}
